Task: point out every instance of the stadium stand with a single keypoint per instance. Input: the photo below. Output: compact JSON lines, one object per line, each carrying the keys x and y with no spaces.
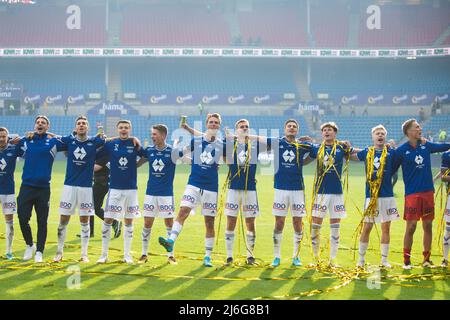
{"x":276,"y":24}
{"x":405,"y":26}
{"x":227,"y":77}
{"x":161,"y":25}
{"x":357,"y":129}
{"x":436,"y":123}
{"x":63,"y":76}
{"x":329,"y":25}
{"x":40,"y":25}
{"x":381,"y":76}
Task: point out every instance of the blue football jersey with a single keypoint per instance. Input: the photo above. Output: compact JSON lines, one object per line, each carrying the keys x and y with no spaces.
{"x":331,"y":183}
{"x":162,"y":166}
{"x":8,"y":160}
{"x":122,"y":159}
{"x":80,"y":160}
{"x":386,"y":188}
{"x":39,"y":155}
{"x":289,"y":159}
{"x":416,"y":165}
{"x":205,"y":163}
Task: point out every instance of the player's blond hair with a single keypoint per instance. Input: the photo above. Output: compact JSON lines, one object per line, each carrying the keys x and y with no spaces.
{"x":42,"y":117}
{"x":214,"y":115}
{"x":330,"y":124}
{"x":379,"y":127}
{"x":240,"y":121}
{"x":3,"y":129}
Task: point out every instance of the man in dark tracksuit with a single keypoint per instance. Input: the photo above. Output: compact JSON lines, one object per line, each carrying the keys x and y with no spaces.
{"x":39,"y":154}
{"x":100,"y":190}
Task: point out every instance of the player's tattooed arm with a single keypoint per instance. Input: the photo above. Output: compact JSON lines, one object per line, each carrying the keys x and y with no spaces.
{"x":305,"y":139}
{"x":445,"y":175}
{"x":308,"y":160}
{"x":136,"y":142}
{"x":192,"y":131}
{"x":141,"y":161}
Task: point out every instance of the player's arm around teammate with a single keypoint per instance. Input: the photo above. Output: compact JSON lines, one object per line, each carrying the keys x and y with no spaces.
{"x":77,"y":192}
{"x":380,"y":205}
{"x":328,"y":193}
{"x":202,"y":186}
{"x":122,"y":201}
{"x":445,"y":176}
{"x":158,"y":202}
{"x":8,"y":158}
{"x":414,"y":157}
{"x":39,"y":155}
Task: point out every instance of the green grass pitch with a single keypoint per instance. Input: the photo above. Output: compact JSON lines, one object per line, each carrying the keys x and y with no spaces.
{"x":190,"y":280}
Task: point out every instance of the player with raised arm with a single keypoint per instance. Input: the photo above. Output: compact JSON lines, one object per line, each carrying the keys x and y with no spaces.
{"x":242,"y":158}
{"x":40,"y":150}
{"x":158,"y":200}
{"x":380,"y":205}
{"x":328,"y":193}
{"x":291,"y":154}
{"x":414,"y":157}
{"x":202,"y":186}
{"x":8,"y":159}
{"x":77,"y":190}
{"x":122,"y":200}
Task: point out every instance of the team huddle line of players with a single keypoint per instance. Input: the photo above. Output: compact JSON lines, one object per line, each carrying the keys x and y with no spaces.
{"x":240,"y":151}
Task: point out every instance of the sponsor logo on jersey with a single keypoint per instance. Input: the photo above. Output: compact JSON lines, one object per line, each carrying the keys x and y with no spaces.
{"x":251,"y":207}
{"x":188,"y":198}
{"x":9,"y":205}
{"x":79,"y":153}
{"x":133,"y":209}
{"x":158,"y":165}
{"x":298,"y":207}
{"x":288,"y":156}
{"x":123,"y":162}
{"x":279,"y":206}
{"x":166,"y":208}
{"x":231,"y":206}
{"x":210,"y":206}
{"x":319,"y":207}
{"x":149,"y":207}
{"x":112,"y":208}
{"x":65,"y":205}
{"x":206,"y":157}
{"x":392,"y":211}
{"x":86,"y":205}
{"x":3,"y":164}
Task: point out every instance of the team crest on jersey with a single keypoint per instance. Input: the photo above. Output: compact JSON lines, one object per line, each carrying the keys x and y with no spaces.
{"x":2,"y":164}
{"x":79,"y":153}
{"x":158,"y":165}
{"x":288,"y":156}
{"x":206,"y":157}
